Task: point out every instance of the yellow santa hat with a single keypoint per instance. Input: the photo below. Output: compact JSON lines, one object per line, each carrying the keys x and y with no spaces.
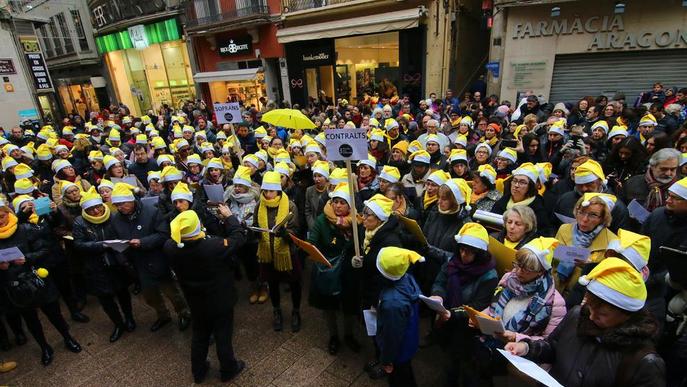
{"x":608,"y":199}
{"x":186,"y":226}
{"x":43,"y":152}
{"x":181,"y":191}
{"x":543,"y":248}
{"x":393,"y":262}
{"x":679,"y":188}
{"x":170,"y":173}
{"x":164,"y":158}
{"x":618,"y":130}
{"x":488,"y":172}
{"x":601,"y":124}
{"x":283,"y":156}
{"x":65,"y":185}
{"x":421,"y":156}
{"x":22,"y":171}
{"x":283,"y":169}
{"x":616,"y":282}
{"x":320,"y":139}
{"x":8,"y":162}
{"x":636,"y":248}
{"x":193,"y":159}
{"x":461,"y":191}
{"x":484,"y":146}
{"x":381,"y":206}
{"x":90,"y":198}
{"x":24,"y":186}
{"x":262,"y":155}
{"x":461,"y":139}
{"x":158,"y":143}
{"x":313,"y":148}
{"x":338,"y":175}
{"x":415,"y":146}
{"x":104,"y":183}
{"x":271,"y":181}
{"x":95,"y":155}
{"x":341,"y":191}
{"x":109,"y":161}
{"x":141,"y":139}
{"x":439,"y":177}
{"x":260,"y":132}
{"x":252,"y":160}
{"x":371,"y":162}
{"x":215,"y":162}
{"x":322,"y":168}
{"x":152,"y":175}
{"x":242,"y":176}
{"x":123,"y":193}
{"x":648,"y":120}
{"x":473,"y":235}
{"x":457,"y":155}
{"x":114,"y":135}
{"x":377,"y":135}
{"x":509,"y":154}
{"x":60,"y":164}
{"x":390,"y":174}
{"x":589,"y":171}
{"x":19,"y":200}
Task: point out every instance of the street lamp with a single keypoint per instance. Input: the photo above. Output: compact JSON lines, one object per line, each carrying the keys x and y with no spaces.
{"x":619,"y":7}
{"x":556,"y":11}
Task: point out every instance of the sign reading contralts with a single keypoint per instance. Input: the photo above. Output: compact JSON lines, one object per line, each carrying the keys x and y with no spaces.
{"x":235,"y":46}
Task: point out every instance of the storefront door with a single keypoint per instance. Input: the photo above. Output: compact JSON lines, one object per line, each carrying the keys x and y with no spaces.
{"x":139,"y":84}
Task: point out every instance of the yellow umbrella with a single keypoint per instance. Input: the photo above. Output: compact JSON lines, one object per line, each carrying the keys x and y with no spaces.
{"x":288,"y":118}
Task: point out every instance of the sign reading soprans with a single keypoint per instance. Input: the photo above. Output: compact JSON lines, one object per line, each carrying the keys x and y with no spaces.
{"x":608,"y":33}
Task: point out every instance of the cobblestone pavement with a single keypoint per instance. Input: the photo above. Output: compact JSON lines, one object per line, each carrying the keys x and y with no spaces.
{"x":143,"y":358}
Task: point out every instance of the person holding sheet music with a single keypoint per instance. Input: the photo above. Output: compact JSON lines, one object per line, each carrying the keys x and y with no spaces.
{"x":590,"y":231}
{"x":106,"y":273}
{"x":468,"y":277}
{"x":276,"y":254}
{"x":116,"y":173}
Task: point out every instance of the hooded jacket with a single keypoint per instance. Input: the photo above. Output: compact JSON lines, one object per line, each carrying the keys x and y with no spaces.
{"x":398,"y":320}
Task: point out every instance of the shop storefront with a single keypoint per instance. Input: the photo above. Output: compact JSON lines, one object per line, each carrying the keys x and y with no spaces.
{"x":148,"y":65}
{"x":239,"y":65}
{"x":357,"y":68}
{"x":78,"y":95}
{"x":592,"y":48}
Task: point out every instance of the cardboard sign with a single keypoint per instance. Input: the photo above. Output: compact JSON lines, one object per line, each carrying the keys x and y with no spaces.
{"x":228,"y":113}
{"x":346,"y":144}
{"x":569,"y":254}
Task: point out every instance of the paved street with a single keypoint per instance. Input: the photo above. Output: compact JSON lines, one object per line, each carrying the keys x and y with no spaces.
{"x":143,"y":358}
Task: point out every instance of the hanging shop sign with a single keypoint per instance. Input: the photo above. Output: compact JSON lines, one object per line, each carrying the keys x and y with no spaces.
{"x":39,"y":71}
{"x":138,"y":36}
{"x":235,"y":46}
{"x":7,"y":67}
{"x":106,"y":12}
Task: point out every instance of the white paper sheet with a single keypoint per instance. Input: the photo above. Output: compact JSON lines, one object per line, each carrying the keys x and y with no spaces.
{"x":489,"y":326}
{"x":370,"y":316}
{"x":637,"y":211}
{"x":214,"y":192}
{"x":569,"y":254}
{"x":117,"y":245}
{"x":530,"y":369}
{"x":433,"y":304}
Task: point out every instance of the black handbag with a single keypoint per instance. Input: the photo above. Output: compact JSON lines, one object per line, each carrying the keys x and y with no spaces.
{"x":27,"y":290}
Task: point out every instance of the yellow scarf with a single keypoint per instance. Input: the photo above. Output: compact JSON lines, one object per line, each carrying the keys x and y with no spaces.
{"x":33,"y":218}
{"x":97,"y":219}
{"x":9,"y":229}
{"x":525,"y":202}
{"x":509,"y":244}
{"x":271,"y":248}
{"x":227,"y":164}
{"x":428,"y":200}
{"x":369,"y":234}
{"x":272,"y":151}
{"x":401,"y":209}
{"x":492,"y":141}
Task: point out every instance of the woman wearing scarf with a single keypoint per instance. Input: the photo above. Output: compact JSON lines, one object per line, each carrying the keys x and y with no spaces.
{"x":453,"y":211}
{"x":437,"y":159}
{"x":106,"y":273}
{"x":380,"y":229}
{"x":276,"y":255}
{"x":242,"y":198}
{"x":467,"y":277}
{"x":491,"y":136}
{"x":458,"y":161}
{"x":505,"y":162}
{"x":427,"y":202}
{"x":482,"y":156}
{"x":368,"y":184}
{"x":379,"y":145}
{"x":522,"y":190}
{"x":484,"y":193}
{"x":333,"y":290}
{"x":116,"y":172}
{"x":589,"y":231}
{"x":27,"y":238}
{"x":526,"y":301}
{"x":64,"y":171}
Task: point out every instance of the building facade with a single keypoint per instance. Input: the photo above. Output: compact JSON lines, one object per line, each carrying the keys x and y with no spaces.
{"x":71,"y":56}
{"x":563,"y":50}
{"x":235,"y":50}
{"x":367,"y":49}
{"x":144,"y":52}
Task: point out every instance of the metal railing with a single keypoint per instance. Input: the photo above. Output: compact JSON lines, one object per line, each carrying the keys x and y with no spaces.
{"x":256,"y":9}
{"x":300,"y":5}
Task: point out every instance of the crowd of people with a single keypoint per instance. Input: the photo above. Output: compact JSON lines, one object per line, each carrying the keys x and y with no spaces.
{"x":112,"y":205}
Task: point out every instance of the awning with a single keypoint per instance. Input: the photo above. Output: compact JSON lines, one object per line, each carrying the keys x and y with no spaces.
{"x":384,"y":22}
{"x":227,"y":75}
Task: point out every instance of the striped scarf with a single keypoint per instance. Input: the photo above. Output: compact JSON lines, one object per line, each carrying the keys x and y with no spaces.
{"x":536,"y":316}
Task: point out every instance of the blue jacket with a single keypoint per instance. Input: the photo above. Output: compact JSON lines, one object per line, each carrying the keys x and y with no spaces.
{"x":398,"y":320}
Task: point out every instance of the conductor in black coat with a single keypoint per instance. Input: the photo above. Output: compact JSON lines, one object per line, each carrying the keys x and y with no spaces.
{"x":204,"y":266}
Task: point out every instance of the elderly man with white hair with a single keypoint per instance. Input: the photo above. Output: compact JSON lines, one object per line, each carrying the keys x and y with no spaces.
{"x":432,"y":127}
{"x":651,"y":189}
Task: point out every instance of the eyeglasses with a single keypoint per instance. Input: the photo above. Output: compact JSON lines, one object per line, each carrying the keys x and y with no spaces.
{"x":367,"y":213}
{"x":589,"y":215}
{"x":520,"y":182}
{"x":481,"y":152}
{"x":517,"y":266}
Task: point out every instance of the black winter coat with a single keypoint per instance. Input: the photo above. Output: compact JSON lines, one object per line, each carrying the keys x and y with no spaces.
{"x":105,"y":269}
{"x":544,"y":226}
{"x":204,"y":270}
{"x":146,"y":225}
{"x":584,"y":355}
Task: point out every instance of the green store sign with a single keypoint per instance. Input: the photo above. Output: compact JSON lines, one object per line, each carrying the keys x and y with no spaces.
{"x":139,"y":36}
